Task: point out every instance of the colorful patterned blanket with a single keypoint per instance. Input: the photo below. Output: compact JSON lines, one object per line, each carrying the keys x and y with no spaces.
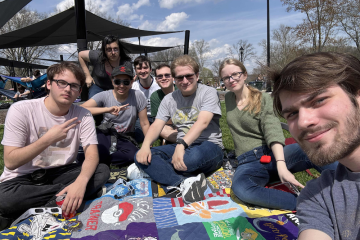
{"x":148,"y":214}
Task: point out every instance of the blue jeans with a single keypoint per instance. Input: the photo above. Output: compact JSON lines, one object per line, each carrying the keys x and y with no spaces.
{"x":139,"y":135}
{"x":205,"y":157}
{"x":251,"y":176}
{"x":94,"y":89}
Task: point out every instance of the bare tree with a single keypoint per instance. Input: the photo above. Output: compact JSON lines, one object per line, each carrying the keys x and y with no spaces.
{"x":22,"y":19}
{"x":234,"y":50}
{"x":349,"y":17}
{"x":166,"y":56}
{"x":201,"y":48}
{"x":215,"y":66}
{"x":320,"y":23}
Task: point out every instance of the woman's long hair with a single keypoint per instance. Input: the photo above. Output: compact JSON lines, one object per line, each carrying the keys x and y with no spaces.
{"x":108,"y":40}
{"x":254,"y":98}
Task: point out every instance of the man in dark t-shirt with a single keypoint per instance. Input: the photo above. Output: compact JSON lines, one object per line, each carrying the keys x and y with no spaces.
{"x":166,"y":82}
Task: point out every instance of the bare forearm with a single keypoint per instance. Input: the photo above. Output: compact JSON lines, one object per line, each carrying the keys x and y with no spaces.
{"x":195,"y":132}
{"x":153,"y":132}
{"x":169,"y":133}
{"x":16,"y":157}
{"x":84,"y":67}
{"x":278,"y":151}
{"x":97,"y":110}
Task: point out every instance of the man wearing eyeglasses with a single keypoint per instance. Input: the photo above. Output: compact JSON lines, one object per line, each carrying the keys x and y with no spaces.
{"x":166,"y":82}
{"x":195,"y":111}
{"x":147,"y":85}
{"x":41,"y":140}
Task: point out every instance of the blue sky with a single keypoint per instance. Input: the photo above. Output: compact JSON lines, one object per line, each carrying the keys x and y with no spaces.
{"x":220,"y":22}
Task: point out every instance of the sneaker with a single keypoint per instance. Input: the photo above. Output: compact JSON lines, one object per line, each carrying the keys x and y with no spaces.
{"x":101,"y":192}
{"x":193,"y":188}
{"x":133,"y":172}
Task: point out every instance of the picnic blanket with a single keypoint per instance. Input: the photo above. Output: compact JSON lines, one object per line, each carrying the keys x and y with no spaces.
{"x":149,"y":214}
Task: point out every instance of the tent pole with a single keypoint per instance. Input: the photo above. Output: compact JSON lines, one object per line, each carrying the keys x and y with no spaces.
{"x":186,"y":44}
{"x":62,"y":58}
{"x":80,"y":25}
{"x":268,"y":82}
{"x":81,"y":37}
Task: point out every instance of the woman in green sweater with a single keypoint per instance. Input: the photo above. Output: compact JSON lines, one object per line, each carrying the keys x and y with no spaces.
{"x":256,"y":132}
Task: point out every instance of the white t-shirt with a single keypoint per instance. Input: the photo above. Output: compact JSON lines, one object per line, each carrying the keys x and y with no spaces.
{"x":28,"y":120}
{"x":147,"y":92}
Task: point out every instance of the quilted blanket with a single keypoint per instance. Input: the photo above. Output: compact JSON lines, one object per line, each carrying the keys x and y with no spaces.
{"x":149,"y":214}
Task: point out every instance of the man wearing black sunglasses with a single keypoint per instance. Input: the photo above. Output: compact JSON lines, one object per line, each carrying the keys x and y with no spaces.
{"x":121,"y":106}
{"x":195,"y":111}
{"x":166,"y":82}
{"x":41,"y":139}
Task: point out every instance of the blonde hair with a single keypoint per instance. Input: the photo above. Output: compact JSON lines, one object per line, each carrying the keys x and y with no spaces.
{"x":254,"y":98}
{"x":182,"y":61}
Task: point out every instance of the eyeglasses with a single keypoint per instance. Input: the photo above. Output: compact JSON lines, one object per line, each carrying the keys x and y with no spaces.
{"x":109,"y":50}
{"x":160,"y":76}
{"x":64,"y":84}
{"x":117,"y":82}
{"x":187,"y":76}
{"x":234,"y":76}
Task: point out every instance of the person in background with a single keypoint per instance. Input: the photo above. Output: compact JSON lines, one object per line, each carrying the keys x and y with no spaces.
{"x":36,"y":74}
{"x":319,"y":96}
{"x":111,"y":55}
{"x":166,"y":82}
{"x":257,"y":132}
{"x":147,"y":85}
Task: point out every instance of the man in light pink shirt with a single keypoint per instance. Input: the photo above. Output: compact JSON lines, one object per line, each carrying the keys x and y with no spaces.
{"x":41,"y":140}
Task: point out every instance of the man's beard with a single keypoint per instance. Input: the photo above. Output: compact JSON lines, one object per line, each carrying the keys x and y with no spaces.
{"x":344,"y":143}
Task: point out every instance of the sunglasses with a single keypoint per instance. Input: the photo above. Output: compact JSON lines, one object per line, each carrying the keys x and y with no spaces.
{"x":187,"y":76}
{"x":118,"y":82}
{"x":160,"y":76}
{"x":109,"y":50}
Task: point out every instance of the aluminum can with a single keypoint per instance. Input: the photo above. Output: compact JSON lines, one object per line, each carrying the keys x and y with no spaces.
{"x":59,"y":202}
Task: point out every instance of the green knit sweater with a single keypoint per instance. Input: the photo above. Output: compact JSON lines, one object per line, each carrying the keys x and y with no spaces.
{"x":250,"y":131}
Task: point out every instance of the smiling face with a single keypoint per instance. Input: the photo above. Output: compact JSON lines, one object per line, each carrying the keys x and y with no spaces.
{"x":143,"y":71}
{"x":162,"y":79}
{"x":122,"y":90}
{"x":187,"y":86}
{"x":325,"y":123}
{"x":63,"y":96}
{"x":233,"y":84}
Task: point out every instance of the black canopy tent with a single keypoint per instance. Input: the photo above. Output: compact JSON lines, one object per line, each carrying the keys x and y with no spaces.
{"x":18,"y":64}
{"x":8,"y":8}
{"x":61,"y":29}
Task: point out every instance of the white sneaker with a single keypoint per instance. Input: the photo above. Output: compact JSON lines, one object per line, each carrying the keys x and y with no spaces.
{"x":133,"y":172}
{"x":192,"y":189}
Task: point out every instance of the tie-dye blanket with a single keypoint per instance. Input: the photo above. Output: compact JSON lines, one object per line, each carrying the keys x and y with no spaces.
{"x":146,"y":216}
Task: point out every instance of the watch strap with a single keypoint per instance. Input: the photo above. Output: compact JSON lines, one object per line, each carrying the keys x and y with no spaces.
{"x":181,"y":141}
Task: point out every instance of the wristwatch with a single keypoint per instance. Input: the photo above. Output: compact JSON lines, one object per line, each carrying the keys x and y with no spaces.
{"x":181,"y":141}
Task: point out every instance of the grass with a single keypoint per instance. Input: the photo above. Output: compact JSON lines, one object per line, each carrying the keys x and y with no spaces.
{"x":302,"y":177}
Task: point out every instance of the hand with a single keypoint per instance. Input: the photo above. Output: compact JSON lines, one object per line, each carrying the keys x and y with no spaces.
{"x":74,"y":196}
{"x":143,"y":156}
{"x":178,"y":158}
{"x":89,"y":81}
{"x":114,"y":110}
{"x":286,"y":176}
{"x":59,"y":132}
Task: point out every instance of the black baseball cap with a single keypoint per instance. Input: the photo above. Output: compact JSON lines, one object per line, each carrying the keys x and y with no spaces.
{"x":122,"y":70}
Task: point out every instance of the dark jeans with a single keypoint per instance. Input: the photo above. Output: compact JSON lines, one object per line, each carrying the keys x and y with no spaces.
{"x":251,"y":176}
{"x":205,"y":157}
{"x":139,"y":135}
{"x":123,"y":156}
{"x":19,"y":194}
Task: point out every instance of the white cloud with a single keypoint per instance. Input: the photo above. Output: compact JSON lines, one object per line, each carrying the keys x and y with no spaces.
{"x":134,"y":17}
{"x":169,"y":4}
{"x":128,"y":10}
{"x":172,"y":21}
{"x":213,"y":42}
{"x":102,"y":6}
{"x":161,"y":42}
{"x":146,"y":26}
